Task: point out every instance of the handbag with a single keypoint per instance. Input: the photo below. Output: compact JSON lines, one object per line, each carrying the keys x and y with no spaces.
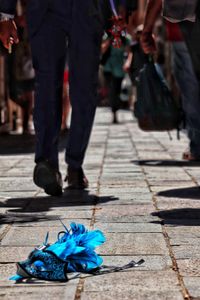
{"x":155,"y":108}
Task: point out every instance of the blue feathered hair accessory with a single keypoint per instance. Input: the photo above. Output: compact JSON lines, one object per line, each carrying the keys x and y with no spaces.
{"x":74,"y":251}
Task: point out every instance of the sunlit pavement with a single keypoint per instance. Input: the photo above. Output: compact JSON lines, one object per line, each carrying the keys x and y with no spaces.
{"x":143,"y":197}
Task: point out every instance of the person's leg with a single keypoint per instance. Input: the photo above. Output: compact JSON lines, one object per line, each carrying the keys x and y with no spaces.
{"x":115,"y":96}
{"x":189,"y":87}
{"x":191,"y":32}
{"x":26,"y":111}
{"x":48,"y":50}
{"x":84,"y":49}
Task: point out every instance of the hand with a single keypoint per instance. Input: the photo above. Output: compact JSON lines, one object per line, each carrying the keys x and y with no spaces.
{"x":8,"y":33}
{"x":147,"y":42}
{"x":126,"y":66}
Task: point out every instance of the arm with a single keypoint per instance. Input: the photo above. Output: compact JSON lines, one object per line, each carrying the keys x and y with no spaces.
{"x":127,"y":64}
{"x":8,"y":29}
{"x":153,"y":10}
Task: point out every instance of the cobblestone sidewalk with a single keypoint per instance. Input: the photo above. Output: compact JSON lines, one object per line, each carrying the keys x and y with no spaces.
{"x":144,"y":198}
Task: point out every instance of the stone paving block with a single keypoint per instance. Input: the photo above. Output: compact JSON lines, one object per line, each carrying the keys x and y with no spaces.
{"x":126,"y":210}
{"x":54,"y":223}
{"x":129,"y":196}
{"x":164,"y":188}
{"x":68,"y":213}
{"x":193,"y":286}
{"x":190,"y":231}
{"x":112,"y":183}
{"x":152,"y":262}
{"x":186,"y":251}
{"x":35,"y":292}
{"x":6,"y":271}
{"x":8,"y":163}
{"x":189,"y":267}
{"x":121,"y":200}
{"x":17,"y":184}
{"x":171,"y":183}
{"x":184,"y":240}
{"x":110,"y":169}
{"x":131,"y":294}
{"x":137,"y":282}
{"x":9,"y":254}
{"x":134,"y":244}
{"x":127,"y":190}
{"x":15,"y":195}
{"x":33,"y":236}
{"x":29,"y":236}
{"x":171,"y":203}
{"x":128,"y":227}
{"x":19,"y":172}
{"x":128,"y":219}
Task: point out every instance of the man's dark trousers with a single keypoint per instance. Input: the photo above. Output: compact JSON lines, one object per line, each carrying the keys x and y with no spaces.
{"x":191,"y":33}
{"x":75,"y":22}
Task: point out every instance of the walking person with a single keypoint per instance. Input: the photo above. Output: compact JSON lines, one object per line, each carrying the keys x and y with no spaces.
{"x":114,"y":74}
{"x":183,"y":14}
{"x":51,"y":24}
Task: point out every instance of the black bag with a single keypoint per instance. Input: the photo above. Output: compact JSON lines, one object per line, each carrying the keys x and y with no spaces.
{"x":155,"y":108}
{"x":138,"y":61}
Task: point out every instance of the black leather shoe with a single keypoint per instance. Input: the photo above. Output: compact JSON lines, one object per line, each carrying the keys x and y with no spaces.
{"x":47,"y":178}
{"x":76,"y":179}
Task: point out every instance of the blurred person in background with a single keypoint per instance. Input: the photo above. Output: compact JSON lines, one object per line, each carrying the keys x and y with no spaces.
{"x":21,"y":75}
{"x":113,"y":68}
{"x":182,"y":68}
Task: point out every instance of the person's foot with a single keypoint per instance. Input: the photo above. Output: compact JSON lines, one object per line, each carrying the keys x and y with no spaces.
{"x":187,"y":155}
{"x":48,"y":178}
{"x":76,"y":179}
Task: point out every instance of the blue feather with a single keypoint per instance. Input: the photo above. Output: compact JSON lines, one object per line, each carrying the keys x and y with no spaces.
{"x":16,"y":277}
{"x":88,"y":260}
{"x":78,"y":229}
{"x":91,"y":239}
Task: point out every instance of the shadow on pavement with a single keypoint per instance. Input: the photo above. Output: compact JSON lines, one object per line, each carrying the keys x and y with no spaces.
{"x":185,"y":193}
{"x":166,"y":163}
{"x":179,"y":216}
{"x":23,"y":144}
{"x":22,"y":210}
{"x":10,"y":218}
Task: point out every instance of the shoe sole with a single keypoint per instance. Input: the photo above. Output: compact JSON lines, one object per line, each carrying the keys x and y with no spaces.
{"x":45,"y":179}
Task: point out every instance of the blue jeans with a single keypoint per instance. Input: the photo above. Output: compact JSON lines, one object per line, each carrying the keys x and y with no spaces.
{"x":190,"y":92}
{"x":72,"y":21}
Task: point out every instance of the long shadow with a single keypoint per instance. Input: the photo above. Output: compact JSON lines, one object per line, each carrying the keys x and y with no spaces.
{"x":22,"y":210}
{"x":12,"y":144}
{"x":179,"y":216}
{"x":185,"y":193}
{"x":166,"y":163}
